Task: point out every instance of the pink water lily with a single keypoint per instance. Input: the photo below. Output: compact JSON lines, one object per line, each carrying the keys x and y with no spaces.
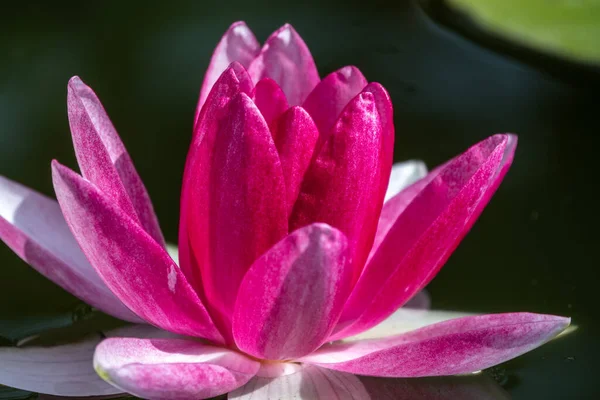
{"x":299,"y":244}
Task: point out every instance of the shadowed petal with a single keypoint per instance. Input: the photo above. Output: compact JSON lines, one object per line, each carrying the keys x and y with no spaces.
{"x":452,"y":347}
{"x":310,"y":383}
{"x":171,"y":368}
{"x":286,"y":59}
{"x":232,"y":81}
{"x":465,"y":387}
{"x":33,"y":226}
{"x":103,"y":159}
{"x":236,"y":205}
{"x":327,"y":100}
{"x":131,"y":263}
{"x":237,"y":44}
{"x":343,"y":186}
{"x":403,"y":175}
{"x":291,"y":297}
{"x":420,"y":301}
{"x":295,"y":140}
{"x":425,"y":232}
{"x":271,"y":101}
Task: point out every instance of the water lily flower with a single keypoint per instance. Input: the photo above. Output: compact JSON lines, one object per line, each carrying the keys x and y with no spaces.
{"x":299,"y":244}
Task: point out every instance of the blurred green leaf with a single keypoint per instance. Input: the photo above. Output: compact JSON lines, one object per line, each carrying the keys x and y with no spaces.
{"x":567,"y":28}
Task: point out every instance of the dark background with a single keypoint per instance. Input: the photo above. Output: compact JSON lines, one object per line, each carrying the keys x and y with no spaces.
{"x":533,"y":249}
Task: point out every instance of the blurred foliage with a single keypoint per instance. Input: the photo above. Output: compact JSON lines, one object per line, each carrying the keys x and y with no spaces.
{"x":566,"y":28}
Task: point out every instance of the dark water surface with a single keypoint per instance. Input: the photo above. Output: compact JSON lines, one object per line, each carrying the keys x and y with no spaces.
{"x":533,"y":249}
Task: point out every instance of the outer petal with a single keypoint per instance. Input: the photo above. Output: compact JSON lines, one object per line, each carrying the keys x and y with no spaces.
{"x":452,"y":347}
{"x":296,"y":138}
{"x":465,"y":387}
{"x":237,"y":44}
{"x":236,"y":207}
{"x":327,"y":100}
{"x":103,"y":159}
{"x":286,"y":59}
{"x":171,"y":368}
{"x":132,"y":264}
{"x":62,"y":370}
{"x":33,"y":226}
{"x":232,"y":81}
{"x":343,"y":185}
{"x":403,"y":175}
{"x":308,"y":384}
{"x":291,"y":297}
{"x":425,"y":233}
{"x":271,"y":101}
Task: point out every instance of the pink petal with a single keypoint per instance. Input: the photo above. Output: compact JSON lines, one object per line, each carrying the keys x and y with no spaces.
{"x":452,"y":347}
{"x":237,"y":44}
{"x":286,"y":59}
{"x":271,"y":101}
{"x":466,"y":387}
{"x":403,"y":175}
{"x":291,"y":297}
{"x":233,"y":80}
{"x":103,"y":159}
{"x":343,"y":186}
{"x":64,"y":370}
{"x":296,"y":138}
{"x":33,"y":226}
{"x":236,"y":201}
{"x":308,"y":384}
{"x":426,"y":232}
{"x":171,"y":368}
{"x":131,"y":263}
{"x":327,"y":100}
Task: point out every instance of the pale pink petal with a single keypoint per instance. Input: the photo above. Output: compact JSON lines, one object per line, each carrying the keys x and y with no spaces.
{"x":310,"y":383}
{"x":33,"y":226}
{"x":420,"y":301}
{"x":286,"y":59}
{"x":343,"y":186}
{"x":405,"y":320}
{"x":237,"y":44}
{"x":403,"y":175}
{"x":296,"y":138}
{"x":465,"y":387}
{"x":327,"y":100}
{"x":137,"y":269}
{"x":233,"y":80}
{"x":103,"y":159}
{"x":291,"y":297}
{"x":452,"y":347}
{"x":271,"y":101}
{"x":64,"y":370}
{"x":426,"y":232}
{"x":171,"y":368}
{"x":236,"y":208}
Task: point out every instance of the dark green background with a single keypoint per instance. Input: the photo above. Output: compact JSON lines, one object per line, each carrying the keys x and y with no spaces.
{"x":533,"y":249}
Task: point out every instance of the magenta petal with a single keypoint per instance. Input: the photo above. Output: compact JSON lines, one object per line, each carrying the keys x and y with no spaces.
{"x":296,"y":138}
{"x":425,"y":232}
{"x":237,"y":44}
{"x":292,"y":296}
{"x":33,"y":226}
{"x":452,"y":347}
{"x":171,"y":368}
{"x":310,"y":383}
{"x":236,"y":208}
{"x":331,"y":95}
{"x":130,"y":262}
{"x":286,"y":59}
{"x":343,"y":186}
{"x":64,"y":370}
{"x":232,"y":81}
{"x":103,"y":159}
{"x":271,"y":101}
